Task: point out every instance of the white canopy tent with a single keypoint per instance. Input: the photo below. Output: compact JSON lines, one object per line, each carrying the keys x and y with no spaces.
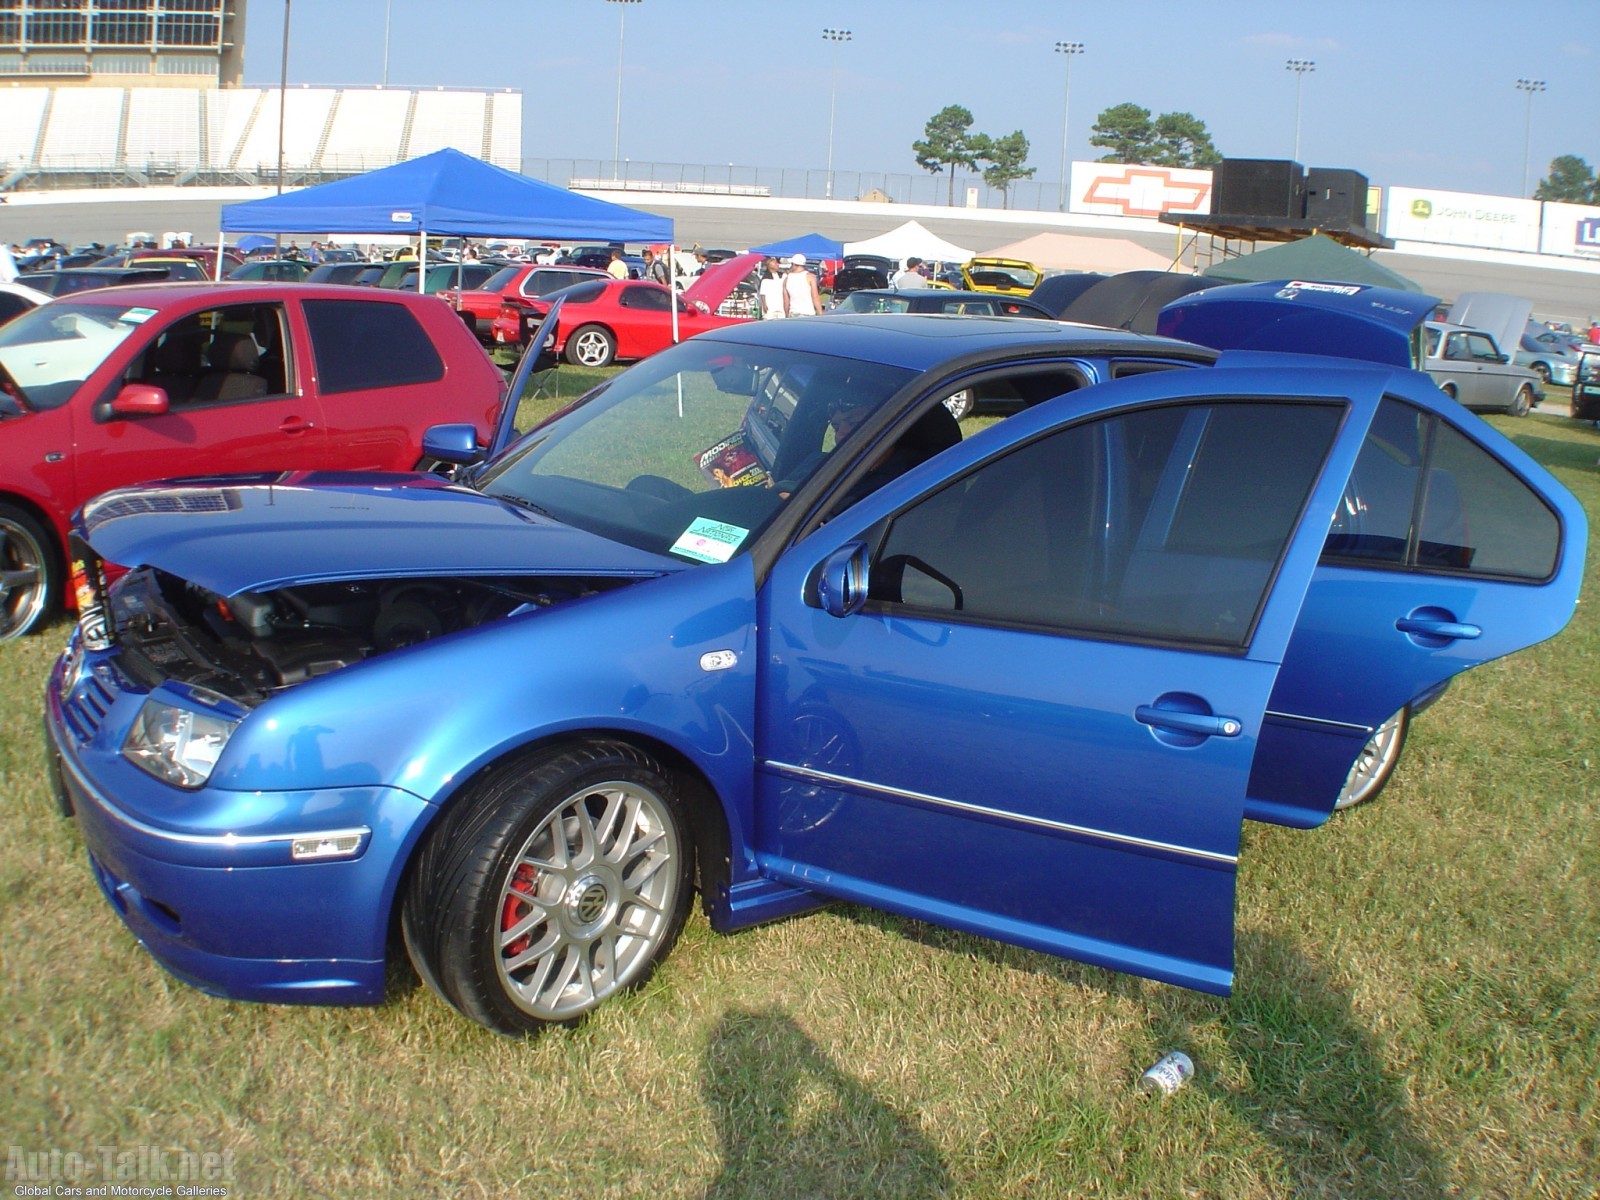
{"x":911,"y":240}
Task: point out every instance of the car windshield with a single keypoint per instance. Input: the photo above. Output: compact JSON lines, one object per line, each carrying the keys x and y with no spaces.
{"x":49,"y":352}
{"x":1003,"y":275}
{"x":694,"y":451}
{"x":874,"y":302}
{"x":501,"y":279}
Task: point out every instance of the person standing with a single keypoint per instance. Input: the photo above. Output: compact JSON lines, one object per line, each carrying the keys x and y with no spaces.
{"x":771,"y":290}
{"x":616,"y":268}
{"x":801,"y":296}
{"x":655,"y":270}
{"x":911,"y":277}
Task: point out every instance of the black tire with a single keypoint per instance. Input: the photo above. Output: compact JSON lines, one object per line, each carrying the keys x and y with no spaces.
{"x":552,"y":885}
{"x":591,"y":346}
{"x":1522,"y":402}
{"x":1449,"y":389}
{"x":1542,"y":370}
{"x":1377,"y":762}
{"x":30,"y":573}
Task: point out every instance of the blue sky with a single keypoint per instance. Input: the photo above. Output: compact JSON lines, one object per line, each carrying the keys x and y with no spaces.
{"x":1409,"y":92}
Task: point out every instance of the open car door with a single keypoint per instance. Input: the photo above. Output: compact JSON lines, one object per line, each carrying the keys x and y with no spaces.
{"x":1018,"y":690}
{"x":1450,"y":548}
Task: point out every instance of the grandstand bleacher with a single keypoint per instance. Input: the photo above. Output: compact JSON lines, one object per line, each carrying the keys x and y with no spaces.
{"x":73,"y":137}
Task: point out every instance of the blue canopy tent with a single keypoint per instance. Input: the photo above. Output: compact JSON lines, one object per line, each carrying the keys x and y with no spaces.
{"x":446,"y":193}
{"x":812,"y":245}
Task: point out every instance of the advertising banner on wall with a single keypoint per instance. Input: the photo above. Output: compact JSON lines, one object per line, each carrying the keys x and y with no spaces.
{"x":1462,"y":219}
{"x":1127,"y":190}
{"x":1572,"y":229}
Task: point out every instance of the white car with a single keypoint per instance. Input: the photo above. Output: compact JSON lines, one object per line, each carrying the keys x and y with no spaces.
{"x":1468,"y":367}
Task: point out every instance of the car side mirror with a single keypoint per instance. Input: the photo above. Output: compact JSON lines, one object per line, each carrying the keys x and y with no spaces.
{"x":140,"y":400}
{"x":838,"y":585}
{"x":452,"y":444}
{"x":1502,"y":358}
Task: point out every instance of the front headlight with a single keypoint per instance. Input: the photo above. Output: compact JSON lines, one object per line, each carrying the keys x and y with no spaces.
{"x":177,"y":745}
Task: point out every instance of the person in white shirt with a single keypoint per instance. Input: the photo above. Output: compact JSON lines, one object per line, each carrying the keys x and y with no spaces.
{"x":910,"y":277}
{"x":771,"y":290}
{"x":801,"y":296}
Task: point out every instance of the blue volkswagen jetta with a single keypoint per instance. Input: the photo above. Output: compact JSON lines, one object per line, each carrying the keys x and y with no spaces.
{"x":758,"y":618}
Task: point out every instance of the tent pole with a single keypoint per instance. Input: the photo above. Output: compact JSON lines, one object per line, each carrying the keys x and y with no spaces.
{"x":672,"y":291}
{"x":221,"y":237}
{"x":422,"y":261}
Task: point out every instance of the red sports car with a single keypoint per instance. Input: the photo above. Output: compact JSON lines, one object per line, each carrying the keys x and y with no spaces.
{"x":518,"y":279}
{"x":620,"y":320}
{"x":121,"y":385}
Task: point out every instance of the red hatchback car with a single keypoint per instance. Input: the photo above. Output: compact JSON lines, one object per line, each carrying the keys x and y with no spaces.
{"x":518,"y":279}
{"x":620,"y":320}
{"x":124,"y":385}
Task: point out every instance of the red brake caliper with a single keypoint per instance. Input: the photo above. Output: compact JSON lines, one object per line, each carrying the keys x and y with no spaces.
{"x":525,"y":880}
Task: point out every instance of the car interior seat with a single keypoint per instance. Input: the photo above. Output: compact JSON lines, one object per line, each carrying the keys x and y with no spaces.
{"x":233,"y":363}
{"x":174,"y":364}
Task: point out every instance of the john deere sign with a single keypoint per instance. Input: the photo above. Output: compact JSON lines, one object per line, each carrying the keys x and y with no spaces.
{"x":1463,"y":219}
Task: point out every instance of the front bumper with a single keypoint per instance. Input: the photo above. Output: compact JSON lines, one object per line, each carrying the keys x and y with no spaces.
{"x":227,"y":909}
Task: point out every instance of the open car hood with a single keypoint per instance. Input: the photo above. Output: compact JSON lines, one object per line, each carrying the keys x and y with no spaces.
{"x":1343,"y":320}
{"x":716,"y":283}
{"x":1501,"y":316}
{"x":253,"y":533}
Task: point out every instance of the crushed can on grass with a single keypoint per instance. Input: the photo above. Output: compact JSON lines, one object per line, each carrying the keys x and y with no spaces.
{"x":1167,"y":1075}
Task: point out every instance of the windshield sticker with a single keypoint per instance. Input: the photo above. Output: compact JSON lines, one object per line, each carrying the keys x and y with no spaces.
{"x":137,"y":316}
{"x":709,"y":541}
{"x":731,"y":463}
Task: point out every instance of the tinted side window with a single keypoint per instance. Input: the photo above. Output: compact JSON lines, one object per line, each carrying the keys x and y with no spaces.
{"x":1162,"y":524}
{"x":1479,"y":518}
{"x":653,"y":299}
{"x":361,"y":344}
{"x":1427,"y":497}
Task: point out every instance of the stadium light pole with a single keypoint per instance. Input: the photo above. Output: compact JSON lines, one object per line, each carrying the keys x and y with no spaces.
{"x":835,"y":36}
{"x":283,"y":90}
{"x":622,"y":33}
{"x":1528,"y":87}
{"x":1301,"y":68}
{"x":1069,"y":50}
{"x":388,"y":14}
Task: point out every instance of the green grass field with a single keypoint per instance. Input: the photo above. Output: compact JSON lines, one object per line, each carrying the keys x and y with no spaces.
{"x":1417,"y":1015}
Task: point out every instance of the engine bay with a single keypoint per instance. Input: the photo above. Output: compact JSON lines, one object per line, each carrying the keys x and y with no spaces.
{"x":249,"y":645}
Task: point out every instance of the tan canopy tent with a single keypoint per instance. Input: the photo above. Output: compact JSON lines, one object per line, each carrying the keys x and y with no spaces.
{"x":1077,"y":252}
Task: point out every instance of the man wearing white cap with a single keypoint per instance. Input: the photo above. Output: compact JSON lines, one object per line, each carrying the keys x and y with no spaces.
{"x":801,"y":297}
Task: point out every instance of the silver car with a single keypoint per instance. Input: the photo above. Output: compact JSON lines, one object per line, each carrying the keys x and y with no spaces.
{"x":1548,"y":355}
{"x":1469,"y":368}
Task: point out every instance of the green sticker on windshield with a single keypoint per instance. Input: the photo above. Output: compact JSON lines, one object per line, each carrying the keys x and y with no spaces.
{"x":709,"y":541}
{"x":137,"y":316}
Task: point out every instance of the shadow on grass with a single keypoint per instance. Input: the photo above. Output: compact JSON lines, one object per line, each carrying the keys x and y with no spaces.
{"x":1312,"y":1079}
{"x":791,"y":1123}
{"x":1555,"y":454}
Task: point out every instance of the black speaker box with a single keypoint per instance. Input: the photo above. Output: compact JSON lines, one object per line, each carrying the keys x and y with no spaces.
{"x":1259,"y":187}
{"x":1336,"y":195}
